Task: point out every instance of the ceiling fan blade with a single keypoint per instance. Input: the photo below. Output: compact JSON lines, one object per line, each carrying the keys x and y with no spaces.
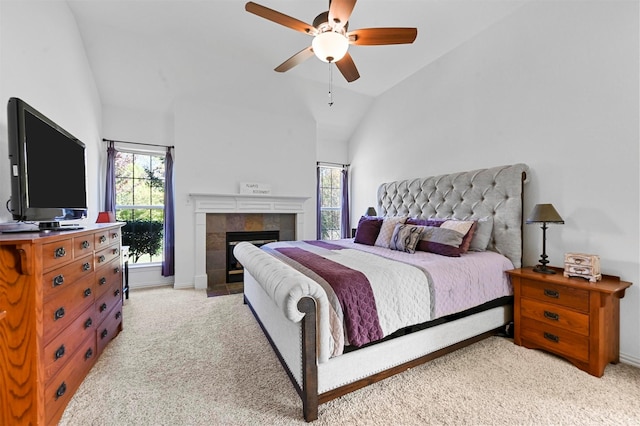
{"x":279,"y":18}
{"x":381,"y":36}
{"x":340,"y":11}
{"x":348,"y":68}
{"x":296,"y":59}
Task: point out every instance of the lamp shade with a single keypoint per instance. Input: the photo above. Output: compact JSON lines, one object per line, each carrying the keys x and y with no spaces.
{"x":330,"y":46}
{"x":544,"y":213}
{"x":371,"y":212}
{"x":106,"y":217}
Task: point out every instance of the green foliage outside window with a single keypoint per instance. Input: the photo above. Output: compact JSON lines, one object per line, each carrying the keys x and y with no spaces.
{"x":143,"y":237}
{"x":330,"y":203}
{"x":140,"y":203}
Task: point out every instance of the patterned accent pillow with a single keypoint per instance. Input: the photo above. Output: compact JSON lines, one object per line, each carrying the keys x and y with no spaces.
{"x":368,"y":230}
{"x":440,"y":240}
{"x":405,"y":237}
{"x":386,"y":230}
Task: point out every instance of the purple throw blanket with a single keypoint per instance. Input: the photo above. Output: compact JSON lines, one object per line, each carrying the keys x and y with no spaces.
{"x":352,"y":289}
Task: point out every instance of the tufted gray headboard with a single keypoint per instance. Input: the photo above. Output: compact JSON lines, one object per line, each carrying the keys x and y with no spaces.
{"x":493,"y":196}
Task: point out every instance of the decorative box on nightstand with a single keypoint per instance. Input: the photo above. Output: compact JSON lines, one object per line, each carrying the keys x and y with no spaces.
{"x":570,"y":317}
{"x":581,"y":265}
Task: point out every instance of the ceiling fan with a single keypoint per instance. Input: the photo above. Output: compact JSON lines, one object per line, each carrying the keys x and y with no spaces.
{"x":331,"y":38}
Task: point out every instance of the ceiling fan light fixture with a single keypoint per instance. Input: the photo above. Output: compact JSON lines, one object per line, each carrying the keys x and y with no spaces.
{"x":330,"y":46}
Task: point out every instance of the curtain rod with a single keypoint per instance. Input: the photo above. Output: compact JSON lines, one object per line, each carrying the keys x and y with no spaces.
{"x":137,"y":143}
{"x":332,"y":164}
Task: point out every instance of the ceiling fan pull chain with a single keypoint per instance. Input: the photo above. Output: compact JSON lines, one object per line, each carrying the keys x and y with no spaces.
{"x":330,"y":85}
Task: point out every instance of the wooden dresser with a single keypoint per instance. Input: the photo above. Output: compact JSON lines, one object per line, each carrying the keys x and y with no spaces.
{"x":569,"y":316}
{"x":60,"y":304}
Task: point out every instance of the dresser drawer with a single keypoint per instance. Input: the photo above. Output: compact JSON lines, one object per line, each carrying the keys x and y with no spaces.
{"x":83,"y":246}
{"x":108,"y":276}
{"x":63,"y":385}
{"x":111,"y":297}
{"x":63,"y":347}
{"x":104,"y":256}
{"x":64,"y":276}
{"x":555,"y":316}
{"x":109,"y":328}
{"x":57,"y":253}
{"x":569,"y":297}
{"x":62,"y":309}
{"x":555,"y":339}
{"x":105,"y":238}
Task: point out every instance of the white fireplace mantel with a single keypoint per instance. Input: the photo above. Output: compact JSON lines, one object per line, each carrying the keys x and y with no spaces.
{"x":204,"y":203}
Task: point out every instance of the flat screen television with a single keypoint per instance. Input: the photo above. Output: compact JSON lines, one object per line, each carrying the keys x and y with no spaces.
{"x":47,"y":168}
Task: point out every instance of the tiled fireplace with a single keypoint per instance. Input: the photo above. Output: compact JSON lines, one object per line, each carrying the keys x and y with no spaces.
{"x":220,"y":225}
{"x":238,"y":212}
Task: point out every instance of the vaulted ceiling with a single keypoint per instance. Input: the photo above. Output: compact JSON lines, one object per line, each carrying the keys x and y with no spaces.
{"x":146,"y":54}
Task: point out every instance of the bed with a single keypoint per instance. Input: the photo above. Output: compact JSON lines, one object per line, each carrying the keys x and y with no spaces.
{"x":285,"y":283}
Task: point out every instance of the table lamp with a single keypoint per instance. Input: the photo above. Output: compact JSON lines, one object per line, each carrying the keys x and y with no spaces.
{"x":371,"y":212}
{"x":544,"y":213}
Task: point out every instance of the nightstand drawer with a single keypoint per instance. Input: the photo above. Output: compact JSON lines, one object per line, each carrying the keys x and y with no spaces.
{"x":570,"y":297}
{"x":555,"y":316}
{"x":555,"y":339}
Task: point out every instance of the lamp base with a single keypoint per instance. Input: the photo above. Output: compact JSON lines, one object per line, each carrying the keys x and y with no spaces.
{"x":542,"y":269}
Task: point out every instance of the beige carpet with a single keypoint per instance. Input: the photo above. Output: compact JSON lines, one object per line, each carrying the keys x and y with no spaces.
{"x":185,"y":359}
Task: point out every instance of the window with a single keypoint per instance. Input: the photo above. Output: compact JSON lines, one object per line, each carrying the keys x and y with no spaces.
{"x":139,"y":183}
{"x":330,"y":202}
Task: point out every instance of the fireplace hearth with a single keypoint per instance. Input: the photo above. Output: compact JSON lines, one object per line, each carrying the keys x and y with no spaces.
{"x":235,"y":271}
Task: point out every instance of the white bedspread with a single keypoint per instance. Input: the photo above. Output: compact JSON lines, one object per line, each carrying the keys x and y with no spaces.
{"x":425,"y":286}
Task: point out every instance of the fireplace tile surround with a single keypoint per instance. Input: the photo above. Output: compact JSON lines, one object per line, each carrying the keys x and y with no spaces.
{"x":269,"y":207}
{"x":218,"y":224}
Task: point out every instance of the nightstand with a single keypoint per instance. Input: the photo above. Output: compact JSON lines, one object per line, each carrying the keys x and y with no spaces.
{"x":569,"y":316}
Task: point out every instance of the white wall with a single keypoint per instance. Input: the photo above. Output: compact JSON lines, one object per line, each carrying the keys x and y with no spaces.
{"x":218,"y":146}
{"x":555,"y":85}
{"x":42,"y":61}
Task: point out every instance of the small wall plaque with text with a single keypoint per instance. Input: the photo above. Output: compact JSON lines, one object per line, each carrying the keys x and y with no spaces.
{"x":255,"y":188}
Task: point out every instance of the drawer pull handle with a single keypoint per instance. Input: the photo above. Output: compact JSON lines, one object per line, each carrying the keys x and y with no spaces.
{"x":118,"y":315}
{"x":551,"y":293}
{"x":552,"y":337}
{"x":87,"y":292}
{"x":115,"y":235}
{"x":60,"y":352}
{"x":103,"y":238}
{"x":104,"y":333}
{"x":551,"y":315}
{"x":116,"y":270}
{"x":88,"y":354}
{"x":115,"y":251}
{"x":85,"y":244}
{"x":101,"y":258}
{"x":58,"y":280}
{"x":58,"y":314}
{"x":60,"y":252}
{"x":103,"y":281}
{"x":61,"y":390}
{"x":116,"y":293}
{"x":88,"y":323}
{"x":103,"y":307}
{"x":86,"y":266}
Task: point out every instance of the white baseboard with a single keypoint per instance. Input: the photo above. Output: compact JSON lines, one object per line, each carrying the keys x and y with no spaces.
{"x":631,"y":360}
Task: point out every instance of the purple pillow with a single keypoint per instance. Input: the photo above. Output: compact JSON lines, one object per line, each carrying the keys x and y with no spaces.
{"x":425,"y":222}
{"x":368,"y":230}
{"x":443,"y":241}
